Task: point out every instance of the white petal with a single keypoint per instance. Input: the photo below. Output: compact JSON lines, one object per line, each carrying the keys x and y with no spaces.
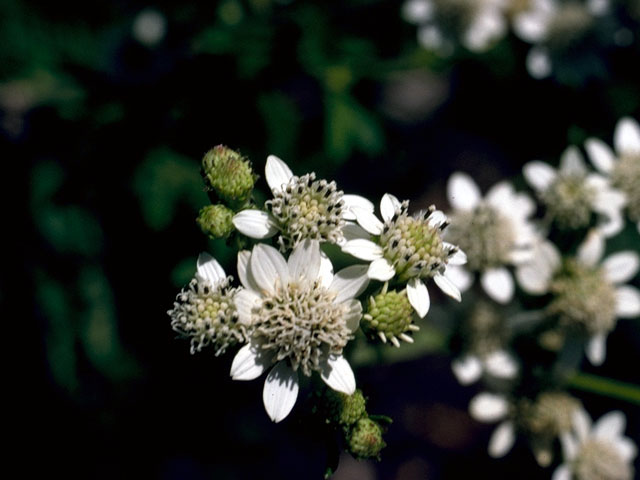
{"x":245,"y":300}
{"x":571,"y":162}
{"x":610,"y":426}
{"x":255,"y":224}
{"x":467,"y":369}
{"x":591,"y":250}
{"x":531,"y":26}
{"x":417,"y":11}
{"x":626,"y":138}
{"x":363,"y":249}
{"x":501,"y":364}
{"x":581,"y":424}
{"x":498,"y":283}
{"x":209,"y":269}
{"x":304,"y":261}
{"x":563,"y":472}
{"x":388,"y":206}
{"x":418,"y":296}
{"x":626,"y":449}
{"x":627,"y":301}
{"x":437,"y":218}
{"x":500,"y":195}
{"x":351,"y":201}
{"x":350,"y":282}
{"x":538,"y":63}
{"x":596,"y":349}
{"x":502,"y":439}
{"x":610,"y":224}
{"x":569,"y":445}
{"x":338,"y":375}
{"x":248,"y":363}
{"x":280,"y":391}
{"x":462,"y":192}
{"x":534,"y":277}
{"x":600,"y":154}
{"x":381,"y":270}
{"x":326,"y":270}
{"x":353,"y":315}
{"x":243,"y":266}
{"x":621,"y":267}
{"x":458,"y":258}
{"x":368,"y":220}
{"x":488,"y":407}
{"x":460,"y":277}
{"x":277,"y":173}
{"x":352,"y":231}
{"x":447,"y":287}
{"x":267,"y":266}
{"x":539,"y":175}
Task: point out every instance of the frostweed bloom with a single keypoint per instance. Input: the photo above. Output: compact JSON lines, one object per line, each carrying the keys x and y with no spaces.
{"x":572,"y":194}
{"x":301,"y":316}
{"x":476,"y":24}
{"x":408,"y":247}
{"x":587,"y":295}
{"x":302,"y":207}
{"x":597,"y":452}
{"x":485,"y":334}
{"x":623,"y":166}
{"x":205,"y":311}
{"x":494,"y":232}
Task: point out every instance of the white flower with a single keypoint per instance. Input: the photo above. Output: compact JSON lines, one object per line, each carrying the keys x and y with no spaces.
{"x":598,"y":452}
{"x":493,"y":232}
{"x":587,"y":292}
{"x":623,"y":166}
{"x":490,"y":408}
{"x":572,"y":194}
{"x":476,"y":24}
{"x":409,"y":247}
{"x":301,"y":316}
{"x":205,"y":311}
{"x":302,"y":208}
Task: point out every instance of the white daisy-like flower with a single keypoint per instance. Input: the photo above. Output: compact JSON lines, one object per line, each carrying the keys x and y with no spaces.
{"x":623,"y":166}
{"x":301,"y":316}
{"x":597,"y":452}
{"x":301,"y":208}
{"x":408,"y":247}
{"x":572,"y":194}
{"x":494,"y":232}
{"x":587,"y":293}
{"x":205,"y":311}
{"x":476,"y":24}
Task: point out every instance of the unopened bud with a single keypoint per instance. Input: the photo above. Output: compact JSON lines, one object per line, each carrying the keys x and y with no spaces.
{"x":229,"y":174}
{"x":215,"y":221}
{"x":343,"y":409}
{"x":390,"y":316}
{"x":366,"y":440}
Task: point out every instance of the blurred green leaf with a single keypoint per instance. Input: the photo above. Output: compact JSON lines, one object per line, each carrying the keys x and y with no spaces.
{"x":165,"y":179}
{"x":70,"y":229}
{"x":282,"y":122}
{"x":183,"y":272}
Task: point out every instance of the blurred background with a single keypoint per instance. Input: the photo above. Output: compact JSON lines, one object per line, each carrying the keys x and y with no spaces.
{"x":106,"y":109}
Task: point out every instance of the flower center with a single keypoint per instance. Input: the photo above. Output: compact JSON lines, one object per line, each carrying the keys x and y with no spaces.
{"x":568,"y":25}
{"x":484,"y":331}
{"x":308,"y":208}
{"x":626,"y":177}
{"x":550,"y":415}
{"x":583,"y":297}
{"x":300,"y":322}
{"x":390,"y":315}
{"x":599,"y":460}
{"x":207,"y":314}
{"x":485,"y":235}
{"x":568,"y":200}
{"x":414,"y":246}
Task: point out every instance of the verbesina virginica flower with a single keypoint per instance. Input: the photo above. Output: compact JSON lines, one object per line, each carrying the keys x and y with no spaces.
{"x":408,"y":247}
{"x":623,"y":166}
{"x":493,"y":232}
{"x":301,"y":208}
{"x":587,"y":295}
{"x":476,"y":24}
{"x":301,"y":316}
{"x":572,"y":194}
{"x":205,"y":311}
{"x":598,"y":452}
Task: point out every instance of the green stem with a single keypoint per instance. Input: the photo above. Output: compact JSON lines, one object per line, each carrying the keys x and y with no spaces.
{"x":606,"y":386}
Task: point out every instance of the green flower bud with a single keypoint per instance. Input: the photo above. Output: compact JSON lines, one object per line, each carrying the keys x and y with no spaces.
{"x":390,"y":315}
{"x":343,"y":409}
{"x":229,"y":174}
{"x":365,"y":440}
{"x":215,"y":221}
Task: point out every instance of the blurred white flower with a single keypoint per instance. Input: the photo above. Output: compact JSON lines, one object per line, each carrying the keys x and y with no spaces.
{"x":149,"y":27}
{"x":408,"y":247}
{"x":494,"y":232}
{"x":587,"y":292}
{"x":301,"y":316}
{"x":623,"y":166}
{"x":597,"y":452}
{"x":572,"y":194}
